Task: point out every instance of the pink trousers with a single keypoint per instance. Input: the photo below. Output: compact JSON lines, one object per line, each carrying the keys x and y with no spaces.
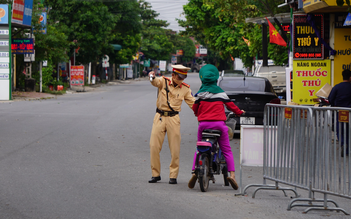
{"x":223,"y":141}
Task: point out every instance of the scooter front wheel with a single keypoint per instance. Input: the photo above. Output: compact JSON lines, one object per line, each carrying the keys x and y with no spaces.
{"x":204,"y":176}
{"x":225,"y":175}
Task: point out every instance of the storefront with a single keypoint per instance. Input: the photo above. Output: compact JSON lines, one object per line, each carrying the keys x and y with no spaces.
{"x":321,"y":51}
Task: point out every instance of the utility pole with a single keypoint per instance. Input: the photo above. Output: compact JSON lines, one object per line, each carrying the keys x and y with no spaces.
{"x":106,"y":64}
{"x":264,"y":44}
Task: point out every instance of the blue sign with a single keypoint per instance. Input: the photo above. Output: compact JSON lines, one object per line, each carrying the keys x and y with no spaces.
{"x":22,"y":46}
{"x":42,"y":21}
{"x":27,"y":14}
{"x":4,"y":14}
{"x":147,"y":63}
{"x":348,"y":20}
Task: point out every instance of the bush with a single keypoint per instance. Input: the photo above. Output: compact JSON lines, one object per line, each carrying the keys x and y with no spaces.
{"x":47,"y":90}
{"x":47,"y":75}
{"x":65,"y":85}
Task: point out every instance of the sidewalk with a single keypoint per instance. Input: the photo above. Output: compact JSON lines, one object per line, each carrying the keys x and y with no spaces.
{"x":18,"y":96}
{"x":21,"y":95}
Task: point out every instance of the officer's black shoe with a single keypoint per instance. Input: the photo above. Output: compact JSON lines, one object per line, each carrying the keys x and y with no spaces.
{"x":172,"y":181}
{"x":154,"y":179}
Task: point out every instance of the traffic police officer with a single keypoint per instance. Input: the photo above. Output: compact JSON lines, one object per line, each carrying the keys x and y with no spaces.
{"x":171,"y":92}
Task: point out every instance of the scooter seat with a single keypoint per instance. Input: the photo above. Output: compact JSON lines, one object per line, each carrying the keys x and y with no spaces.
{"x":212,"y":132}
{"x":204,"y":143}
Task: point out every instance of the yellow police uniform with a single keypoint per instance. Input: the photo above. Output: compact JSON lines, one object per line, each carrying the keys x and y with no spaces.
{"x":167,"y":121}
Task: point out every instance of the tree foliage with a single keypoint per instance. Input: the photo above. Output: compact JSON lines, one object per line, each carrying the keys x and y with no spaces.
{"x":155,"y":42}
{"x":126,"y":31}
{"x":86,"y":23}
{"x":184,"y":43}
{"x":54,"y":44}
{"x":220,"y":26}
{"x":6,"y":1}
{"x":90,"y":27}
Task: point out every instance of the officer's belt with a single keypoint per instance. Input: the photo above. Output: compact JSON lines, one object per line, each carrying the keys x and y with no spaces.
{"x":166,"y":113}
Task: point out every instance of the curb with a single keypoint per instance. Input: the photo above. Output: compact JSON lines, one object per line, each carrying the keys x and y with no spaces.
{"x":32,"y":96}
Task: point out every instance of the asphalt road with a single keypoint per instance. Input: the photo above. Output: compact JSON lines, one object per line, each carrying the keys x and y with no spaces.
{"x":86,"y":155}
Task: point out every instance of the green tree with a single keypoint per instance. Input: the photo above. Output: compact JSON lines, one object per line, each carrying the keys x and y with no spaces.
{"x":54,"y":44}
{"x":189,"y":49}
{"x":155,"y":43}
{"x":88,"y":24}
{"x":184,"y":43}
{"x":216,"y":33}
{"x":220,"y":26}
{"x":6,"y":1}
{"x":127,"y":30}
{"x":47,"y":78}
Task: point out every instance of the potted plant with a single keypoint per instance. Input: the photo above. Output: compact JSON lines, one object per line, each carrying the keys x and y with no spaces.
{"x":52,"y":84}
{"x":59,"y":85}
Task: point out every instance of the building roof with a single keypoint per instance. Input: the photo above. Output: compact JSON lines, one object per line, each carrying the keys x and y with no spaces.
{"x":282,"y":18}
{"x":325,"y":6}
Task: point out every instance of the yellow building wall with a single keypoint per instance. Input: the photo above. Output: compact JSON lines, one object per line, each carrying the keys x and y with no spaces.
{"x":309,"y":77}
{"x":332,"y":3}
{"x":342,"y":59}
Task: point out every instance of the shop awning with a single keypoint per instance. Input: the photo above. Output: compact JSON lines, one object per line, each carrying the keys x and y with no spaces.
{"x":325,"y":6}
{"x":282,"y":18}
{"x":116,"y":47}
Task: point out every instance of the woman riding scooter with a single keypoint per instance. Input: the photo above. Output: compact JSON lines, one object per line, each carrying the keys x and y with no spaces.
{"x":209,"y":108}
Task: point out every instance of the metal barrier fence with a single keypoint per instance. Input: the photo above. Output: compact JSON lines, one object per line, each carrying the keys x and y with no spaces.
{"x":300,"y":149}
{"x":332,"y":166}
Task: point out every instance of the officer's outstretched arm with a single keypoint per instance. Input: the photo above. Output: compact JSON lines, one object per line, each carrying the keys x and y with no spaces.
{"x":157,"y":81}
{"x":189,"y":99}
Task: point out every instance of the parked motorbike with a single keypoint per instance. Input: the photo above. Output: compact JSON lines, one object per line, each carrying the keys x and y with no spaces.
{"x":322,"y":96}
{"x":209,"y":159}
{"x":322,"y":101}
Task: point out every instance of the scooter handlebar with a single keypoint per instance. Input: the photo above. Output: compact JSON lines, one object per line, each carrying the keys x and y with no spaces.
{"x":229,"y":115}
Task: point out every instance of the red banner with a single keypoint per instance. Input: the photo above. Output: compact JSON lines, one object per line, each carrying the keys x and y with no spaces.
{"x":77,"y":75}
{"x":180,"y":52}
{"x":17,"y":11}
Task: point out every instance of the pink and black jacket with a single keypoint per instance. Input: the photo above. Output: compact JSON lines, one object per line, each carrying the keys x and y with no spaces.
{"x":210,"y":107}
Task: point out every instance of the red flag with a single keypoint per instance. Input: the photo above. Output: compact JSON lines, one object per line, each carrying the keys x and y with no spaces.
{"x":76,"y":50}
{"x":274,"y":36}
{"x":247,"y":41}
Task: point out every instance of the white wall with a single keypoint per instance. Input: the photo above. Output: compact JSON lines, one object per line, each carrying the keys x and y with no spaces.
{"x":4,"y":90}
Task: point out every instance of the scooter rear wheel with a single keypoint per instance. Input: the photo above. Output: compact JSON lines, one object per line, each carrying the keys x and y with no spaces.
{"x":204,"y":177}
{"x":225,"y":175}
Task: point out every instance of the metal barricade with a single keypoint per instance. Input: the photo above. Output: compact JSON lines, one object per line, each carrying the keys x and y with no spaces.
{"x":287,"y":145}
{"x":331,"y":166}
{"x":298,"y":151}
{"x":286,"y":148}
